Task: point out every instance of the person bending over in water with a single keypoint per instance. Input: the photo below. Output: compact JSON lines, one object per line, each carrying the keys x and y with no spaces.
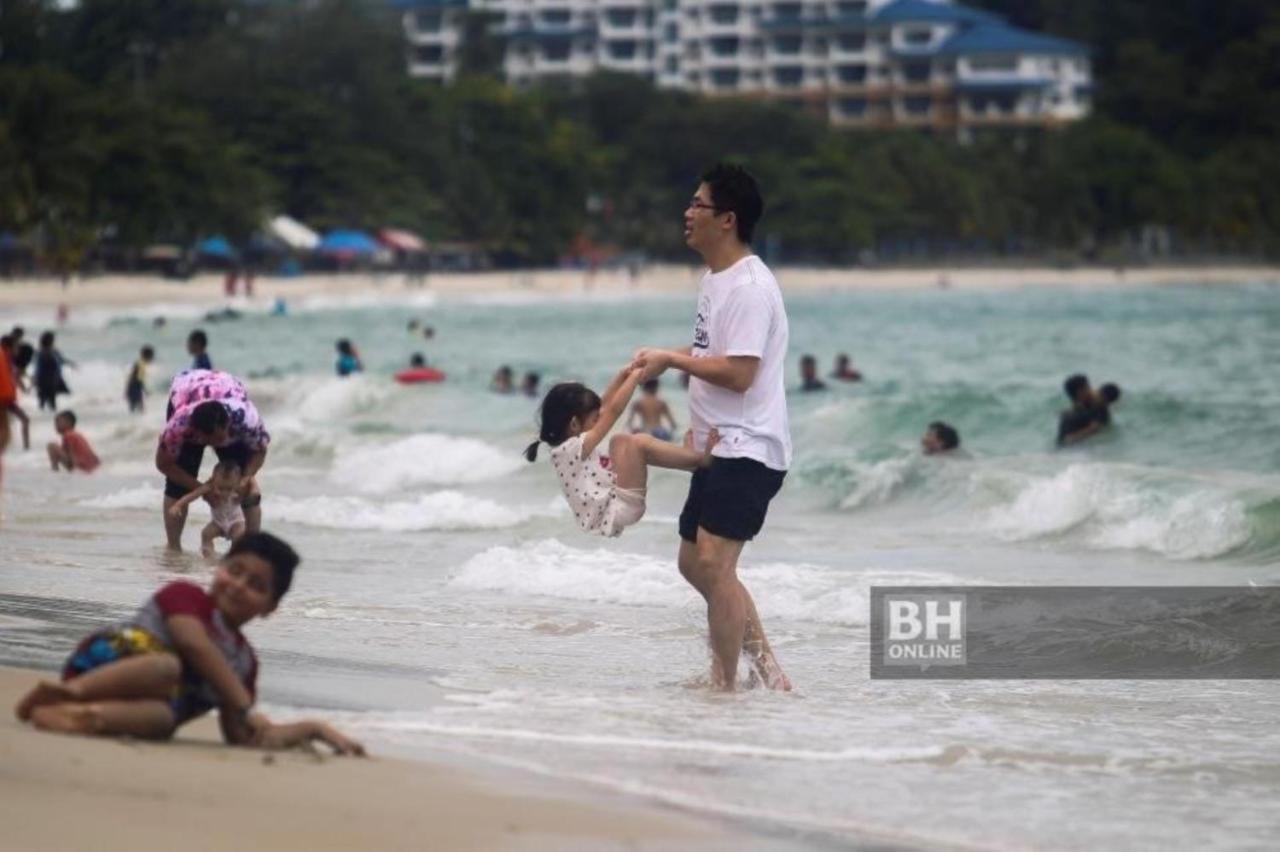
{"x":606,"y":492}
{"x":223,"y":493}
{"x":181,"y":655}
{"x":939,"y":438}
{"x":650,"y":410}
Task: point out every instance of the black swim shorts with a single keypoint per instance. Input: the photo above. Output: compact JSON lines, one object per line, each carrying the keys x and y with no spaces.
{"x":191,"y":455}
{"x":729,"y":499}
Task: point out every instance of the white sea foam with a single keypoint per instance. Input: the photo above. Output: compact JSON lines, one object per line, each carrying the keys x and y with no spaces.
{"x":136,"y":497}
{"x":425,"y":459}
{"x":877,"y":483}
{"x":443,"y":510}
{"x":793,"y":591}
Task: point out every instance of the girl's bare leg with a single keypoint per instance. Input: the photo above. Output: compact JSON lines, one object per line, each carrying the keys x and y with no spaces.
{"x":633,"y":454}
{"x":236,"y":531}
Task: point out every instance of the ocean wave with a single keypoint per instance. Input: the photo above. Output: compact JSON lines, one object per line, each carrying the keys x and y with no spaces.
{"x":794,"y":591}
{"x":443,"y":510}
{"x":136,"y":497}
{"x":425,"y":459}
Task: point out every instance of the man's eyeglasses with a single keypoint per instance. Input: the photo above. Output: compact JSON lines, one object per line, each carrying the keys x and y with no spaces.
{"x":699,"y":204}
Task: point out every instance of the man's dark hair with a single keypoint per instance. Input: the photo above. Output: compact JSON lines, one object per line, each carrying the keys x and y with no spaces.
{"x":46,"y":340}
{"x":1074,"y":384}
{"x":417,"y":360}
{"x":198,"y":338}
{"x":148,"y":353}
{"x":1110,"y":392}
{"x":946,"y":433}
{"x":70,"y":417}
{"x":23,"y":355}
{"x":282,"y":558}
{"x":808,"y":361}
{"x":734,"y":190}
{"x":209,"y":417}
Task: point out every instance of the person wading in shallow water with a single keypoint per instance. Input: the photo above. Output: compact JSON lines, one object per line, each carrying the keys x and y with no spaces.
{"x":736,"y":363}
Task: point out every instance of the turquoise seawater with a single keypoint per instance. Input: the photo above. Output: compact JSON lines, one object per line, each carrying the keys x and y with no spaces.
{"x":448,"y":602}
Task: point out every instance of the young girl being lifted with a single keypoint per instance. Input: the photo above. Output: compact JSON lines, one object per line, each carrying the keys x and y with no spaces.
{"x":605,"y":491}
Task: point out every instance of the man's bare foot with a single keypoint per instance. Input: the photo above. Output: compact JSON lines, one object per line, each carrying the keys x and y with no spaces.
{"x":44,"y":693}
{"x":766,"y":665}
{"x":66,"y":718}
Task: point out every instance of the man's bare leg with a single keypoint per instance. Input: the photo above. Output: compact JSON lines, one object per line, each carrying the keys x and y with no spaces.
{"x":142,"y":676}
{"x":754,"y":642}
{"x":253,"y":518}
{"x":173,"y":526}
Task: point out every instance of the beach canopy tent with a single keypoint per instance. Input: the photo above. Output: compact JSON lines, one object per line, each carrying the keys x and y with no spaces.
{"x":348,"y":243}
{"x":293,"y":233}
{"x":216,"y":246}
{"x":401,"y":240}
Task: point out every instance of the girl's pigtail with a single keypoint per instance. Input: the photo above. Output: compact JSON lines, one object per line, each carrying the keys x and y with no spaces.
{"x":531,"y":451}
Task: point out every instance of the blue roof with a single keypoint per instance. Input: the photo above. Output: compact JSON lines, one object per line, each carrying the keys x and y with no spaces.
{"x":904,"y":11}
{"x":1002,"y":38}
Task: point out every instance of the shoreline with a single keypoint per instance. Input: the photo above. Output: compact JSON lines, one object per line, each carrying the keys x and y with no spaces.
{"x":117,"y":794}
{"x":207,"y":288}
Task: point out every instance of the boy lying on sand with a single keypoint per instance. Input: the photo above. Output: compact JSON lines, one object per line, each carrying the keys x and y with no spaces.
{"x":178,"y":657}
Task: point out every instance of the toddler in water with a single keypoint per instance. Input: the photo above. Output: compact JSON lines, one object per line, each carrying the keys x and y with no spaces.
{"x":224,"y":503}
{"x":606,"y":492}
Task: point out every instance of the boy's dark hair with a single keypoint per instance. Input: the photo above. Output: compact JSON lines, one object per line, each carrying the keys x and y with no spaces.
{"x":209,"y":417}
{"x":808,"y":361}
{"x":734,"y":190}
{"x":344,"y":346}
{"x":198,"y":338}
{"x":46,"y":340}
{"x":417,"y":360}
{"x":22,"y":357}
{"x":562,"y":403}
{"x":1074,"y":384}
{"x":281,"y":556}
{"x":650,"y":386}
{"x":69,"y":415}
{"x":947,"y":434}
{"x":1110,"y":392}
{"x":148,"y":353}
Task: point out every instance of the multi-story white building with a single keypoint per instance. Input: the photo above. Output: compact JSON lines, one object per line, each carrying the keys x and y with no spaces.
{"x":859,"y":63}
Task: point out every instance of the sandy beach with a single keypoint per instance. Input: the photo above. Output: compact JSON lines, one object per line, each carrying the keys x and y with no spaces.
{"x":59,"y":793}
{"x":208,"y":288}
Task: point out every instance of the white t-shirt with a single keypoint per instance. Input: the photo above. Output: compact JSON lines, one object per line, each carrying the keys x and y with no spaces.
{"x":740,"y":312}
{"x":587,"y":483}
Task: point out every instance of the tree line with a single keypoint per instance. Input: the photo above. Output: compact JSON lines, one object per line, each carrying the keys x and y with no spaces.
{"x":139,"y":121}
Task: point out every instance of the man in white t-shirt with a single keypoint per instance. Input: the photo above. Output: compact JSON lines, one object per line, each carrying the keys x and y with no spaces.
{"x":736,"y":386}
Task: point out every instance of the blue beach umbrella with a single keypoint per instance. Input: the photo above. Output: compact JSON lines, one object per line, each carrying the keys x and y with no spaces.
{"x":216,"y":247}
{"x":348,"y":243}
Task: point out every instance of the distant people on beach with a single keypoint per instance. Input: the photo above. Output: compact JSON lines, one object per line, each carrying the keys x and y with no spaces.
{"x":605,"y":491}
{"x":844,"y":371}
{"x":135,"y":386}
{"x":197,"y":348}
{"x":529,"y":387}
{"x":415,"y":327}
{"x":939,"y":438}
{"x":182,"y":654}
{"x":648,"y":413}
{"x":48,"y":379}
{"x":809,"y":380}
{"x":12,"y":384}
{"x":348,"y":359}
{"x":503,"y":380}
{"x":1090,"y":410}
{"x":72,"y":452}
{"x":209,"y":408}
{"x":8,"y":401}
{"x":222,"y":491}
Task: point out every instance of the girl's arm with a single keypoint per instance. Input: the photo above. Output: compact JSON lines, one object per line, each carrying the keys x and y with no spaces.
{"x":197,"y":650}
{"x":188,"y":498}
{"x":615,"y":383}
{"x":611,"y":410}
